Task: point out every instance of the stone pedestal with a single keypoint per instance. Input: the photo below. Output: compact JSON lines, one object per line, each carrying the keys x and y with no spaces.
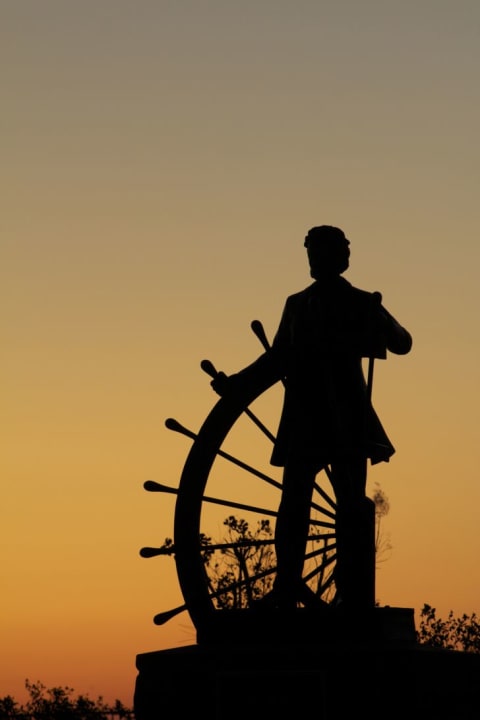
{"x":281,"y":667}
{"x":304,"y":665}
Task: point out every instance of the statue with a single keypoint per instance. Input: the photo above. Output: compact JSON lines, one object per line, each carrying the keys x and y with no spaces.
{"x":327,"y":425}
{"x":327,"y":420}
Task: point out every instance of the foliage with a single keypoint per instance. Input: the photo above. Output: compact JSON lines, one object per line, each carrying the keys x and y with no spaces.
{"x":58,"y":703}
{"x":244,"y":555}
{"x":383,"y":546}
{"x":454,"y":633}
{"x":240,"y":568}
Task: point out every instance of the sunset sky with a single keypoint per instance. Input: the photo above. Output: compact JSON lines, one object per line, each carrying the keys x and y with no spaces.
{"x":162,"y":161}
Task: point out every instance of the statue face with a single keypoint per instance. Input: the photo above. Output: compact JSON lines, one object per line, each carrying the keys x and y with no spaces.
{"x":329,"y":257}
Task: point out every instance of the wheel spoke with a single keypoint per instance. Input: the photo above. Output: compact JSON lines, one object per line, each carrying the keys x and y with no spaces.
{"x":322,"y":492}
{"x":208,"y":367}
{"x":321,"y":523}
{"x":148,"y":552}
{"x":239,"y":583}
{"x":321,"y":551}
{"x":240,"y":506}
{"x":323,"y":510}
{"x":259,"y":331}
{"x":153,"y":486}
{"x":264,"y":573}
{"x":259,"y":424}
{"x":320,"y":568}
{"x":172,"y":424}
{"x":164,"y":617}
{"x":323,"y":587}
{"x":239,"y":544}
{"x":321,"y":537}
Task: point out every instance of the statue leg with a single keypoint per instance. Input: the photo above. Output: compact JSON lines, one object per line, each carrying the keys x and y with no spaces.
{"x":291,"y":530}
{"x":355,"y":569}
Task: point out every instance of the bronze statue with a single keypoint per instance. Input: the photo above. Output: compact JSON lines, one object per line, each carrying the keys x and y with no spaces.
{"x":327,"y":420}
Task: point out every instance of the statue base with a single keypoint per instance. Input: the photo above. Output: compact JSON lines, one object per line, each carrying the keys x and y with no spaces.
{"x":240,"y":669}
{"x":353,"y":665}
{"x":314,"y":626}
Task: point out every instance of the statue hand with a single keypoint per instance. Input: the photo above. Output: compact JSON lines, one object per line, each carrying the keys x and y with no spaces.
{"x":221,"y":383}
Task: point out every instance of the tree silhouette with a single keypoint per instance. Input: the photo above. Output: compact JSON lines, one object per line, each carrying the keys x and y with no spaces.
{"x":383,"y":546}
{"x":58,"y":703}
{"x":245,"y":555}
{"x":455,"y":633}
{"x":240,"y":567}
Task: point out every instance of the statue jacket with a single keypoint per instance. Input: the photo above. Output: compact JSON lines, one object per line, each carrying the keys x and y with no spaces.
{"x":324,"y":332}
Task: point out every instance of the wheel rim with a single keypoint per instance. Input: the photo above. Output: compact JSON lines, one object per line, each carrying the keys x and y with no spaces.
{"x":191,"y":569}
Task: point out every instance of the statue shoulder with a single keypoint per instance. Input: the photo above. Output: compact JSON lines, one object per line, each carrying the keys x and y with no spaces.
{"x":361,"y":295}
{"x":298,"y":299}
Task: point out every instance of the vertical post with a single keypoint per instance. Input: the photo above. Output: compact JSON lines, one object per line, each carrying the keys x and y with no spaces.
{"x":368,"y":552}
{"x":356,"y":553}
{"x":368,"y":515}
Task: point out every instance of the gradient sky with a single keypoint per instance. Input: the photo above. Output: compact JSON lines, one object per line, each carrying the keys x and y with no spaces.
{"x":161,"y":162}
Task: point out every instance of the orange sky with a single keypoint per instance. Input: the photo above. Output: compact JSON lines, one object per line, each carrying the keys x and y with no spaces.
{"x":162,"y":162}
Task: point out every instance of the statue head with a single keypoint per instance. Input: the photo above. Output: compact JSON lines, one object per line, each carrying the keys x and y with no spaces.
{"x":328,"y":251}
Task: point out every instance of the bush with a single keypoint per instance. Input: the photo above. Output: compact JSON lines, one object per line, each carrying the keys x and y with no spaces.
{"x":58,"y":703}
{"x":455,"y":633}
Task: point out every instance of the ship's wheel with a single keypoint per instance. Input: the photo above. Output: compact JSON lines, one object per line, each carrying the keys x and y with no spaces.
{"x":227,"y":476}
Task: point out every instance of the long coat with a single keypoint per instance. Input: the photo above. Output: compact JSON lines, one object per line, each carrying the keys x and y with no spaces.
{"x":324,"y":332}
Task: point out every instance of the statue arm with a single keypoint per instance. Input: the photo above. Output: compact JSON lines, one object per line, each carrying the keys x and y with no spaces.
{"x":263,"y":372}
{"x":398,"y":339}
{"x":260,"y":374}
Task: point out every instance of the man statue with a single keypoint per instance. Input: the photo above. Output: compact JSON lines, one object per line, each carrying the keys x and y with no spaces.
{"x":327,"y":420}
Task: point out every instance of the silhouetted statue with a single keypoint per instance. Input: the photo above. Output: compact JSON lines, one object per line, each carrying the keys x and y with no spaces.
{"x":327,"y":418}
